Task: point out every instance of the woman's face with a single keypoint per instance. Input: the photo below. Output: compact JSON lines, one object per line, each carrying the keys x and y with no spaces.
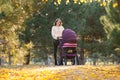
{"x":58,"y":23}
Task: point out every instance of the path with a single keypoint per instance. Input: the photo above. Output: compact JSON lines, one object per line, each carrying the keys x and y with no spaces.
{"x":62,"y":73}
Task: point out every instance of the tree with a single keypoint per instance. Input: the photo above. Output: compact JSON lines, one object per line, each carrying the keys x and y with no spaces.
{"x":111,"y":22}
{"x":13,"y":14}
{"x":90,"y":28}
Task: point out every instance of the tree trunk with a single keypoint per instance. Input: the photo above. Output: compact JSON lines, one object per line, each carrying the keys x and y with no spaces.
{"x":0,"y":61}
{"x":27,"y":40}
{"x":118,"y":1}
{"x":81,"y":58}
{"x":27,"y":59}
{"x":118,"y":62}
{"x":9,"y":56}
{"x":94,"y":61}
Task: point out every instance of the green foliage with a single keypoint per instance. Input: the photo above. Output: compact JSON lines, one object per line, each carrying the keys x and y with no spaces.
{"x":115,"y":37}
{"x":112,"y":13}
{"x":25,"y":27}
{"x":111,"y":26}
{"x":90,"y":30}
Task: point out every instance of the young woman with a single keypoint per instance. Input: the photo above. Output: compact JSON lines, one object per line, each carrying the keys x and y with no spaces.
{"x":56,"y":32}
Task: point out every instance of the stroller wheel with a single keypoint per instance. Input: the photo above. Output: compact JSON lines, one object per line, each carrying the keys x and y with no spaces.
{"x":60,"y":61}
{"x":64,"y":62}
{"x":73,"y":61}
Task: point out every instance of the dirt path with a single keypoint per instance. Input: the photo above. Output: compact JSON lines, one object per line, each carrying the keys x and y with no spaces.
{"x":61,"y":73}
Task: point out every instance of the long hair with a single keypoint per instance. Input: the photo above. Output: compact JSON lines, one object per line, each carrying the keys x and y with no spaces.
{"x":58,"y":19}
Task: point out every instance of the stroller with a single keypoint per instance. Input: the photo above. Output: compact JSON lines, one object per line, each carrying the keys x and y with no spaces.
{"x":67,"y":46}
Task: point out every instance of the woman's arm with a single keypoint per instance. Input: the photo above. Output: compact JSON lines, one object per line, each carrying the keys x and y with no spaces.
{"x":53,"y":32}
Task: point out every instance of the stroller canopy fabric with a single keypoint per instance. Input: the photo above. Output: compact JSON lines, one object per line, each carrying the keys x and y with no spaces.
{"x":69,"y":36}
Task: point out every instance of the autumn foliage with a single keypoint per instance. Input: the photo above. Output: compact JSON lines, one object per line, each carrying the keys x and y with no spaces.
{"x":61,"y":73}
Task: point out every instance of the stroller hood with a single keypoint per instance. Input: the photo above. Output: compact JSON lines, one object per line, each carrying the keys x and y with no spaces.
{"x":69,"y":36}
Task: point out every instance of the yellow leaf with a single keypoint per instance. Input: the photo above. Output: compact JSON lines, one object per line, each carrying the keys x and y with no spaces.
{"x":115,"y":4}
{"x":90,"y":1}
{"x":17,"y":5}
{"x":104,"y":3}
{"x":81,"y":1}
{"x":98,"y":0}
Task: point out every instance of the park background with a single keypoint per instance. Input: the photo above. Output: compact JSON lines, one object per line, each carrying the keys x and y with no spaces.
{"x":25,"y":30}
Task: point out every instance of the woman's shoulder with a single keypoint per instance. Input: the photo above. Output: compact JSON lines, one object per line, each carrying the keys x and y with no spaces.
{"x":57,"y":27}
{"x":53,"y":26}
